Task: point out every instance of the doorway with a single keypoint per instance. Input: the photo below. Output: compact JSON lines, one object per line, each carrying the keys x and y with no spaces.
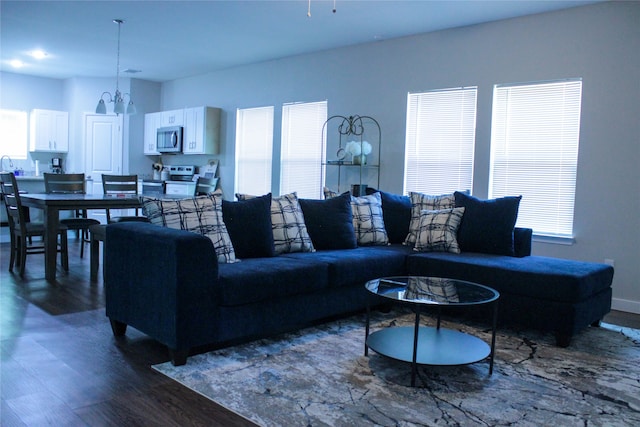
{"x":103,"y":152}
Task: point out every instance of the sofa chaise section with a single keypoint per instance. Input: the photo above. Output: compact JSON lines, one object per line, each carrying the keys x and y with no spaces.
{"x":563,"y":296}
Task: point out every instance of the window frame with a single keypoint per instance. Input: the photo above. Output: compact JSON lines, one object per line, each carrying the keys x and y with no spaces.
{"x":518,"y":168}
{"x":254,"y":156}
{"x":428,"y":130}
{"x":302,"y":165}
{"x":15,"y":127}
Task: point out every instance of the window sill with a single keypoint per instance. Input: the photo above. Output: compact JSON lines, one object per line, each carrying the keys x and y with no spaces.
{"x":556,"y":240}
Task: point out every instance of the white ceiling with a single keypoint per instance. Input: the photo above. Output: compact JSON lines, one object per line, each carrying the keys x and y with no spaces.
{"x":173,"y":39}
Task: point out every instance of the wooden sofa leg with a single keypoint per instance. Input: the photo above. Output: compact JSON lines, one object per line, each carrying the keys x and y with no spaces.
{"x":562,"y":340}
{"x":118,"y":328}
{"x":178,"y":357}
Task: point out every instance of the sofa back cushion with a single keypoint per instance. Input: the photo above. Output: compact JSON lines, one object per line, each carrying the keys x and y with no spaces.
{"x":201,"y":215}
{"x":487,"y":225}
{"x":287,"y":224}
{"x":249,"y":225}
{"x":368,"y":219}
{"x":396,"y":213}
{"x":330,"y":222}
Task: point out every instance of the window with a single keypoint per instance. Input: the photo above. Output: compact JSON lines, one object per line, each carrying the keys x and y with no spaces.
{"x":14,"y":129}
{"x":534,"y":152}
{"x":440,"y":139}
{"x":254,"y":148}
{"x":301,"y":151}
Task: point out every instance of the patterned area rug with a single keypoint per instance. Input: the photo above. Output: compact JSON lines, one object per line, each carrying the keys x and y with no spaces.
{"x":320,"y":377}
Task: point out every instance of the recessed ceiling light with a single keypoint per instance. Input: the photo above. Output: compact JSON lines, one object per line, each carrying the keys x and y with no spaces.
{"x":16,"y":63}
{"x":38,"y":54}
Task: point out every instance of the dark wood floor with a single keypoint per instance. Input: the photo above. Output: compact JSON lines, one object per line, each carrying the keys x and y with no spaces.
{"x":60,"y":364}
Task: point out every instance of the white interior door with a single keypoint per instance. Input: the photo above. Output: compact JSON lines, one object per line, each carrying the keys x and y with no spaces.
{"x":103,"y":152}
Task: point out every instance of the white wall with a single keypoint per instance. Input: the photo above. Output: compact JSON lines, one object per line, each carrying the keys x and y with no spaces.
{"x":79,"y":96}
{"x":600,"y":43}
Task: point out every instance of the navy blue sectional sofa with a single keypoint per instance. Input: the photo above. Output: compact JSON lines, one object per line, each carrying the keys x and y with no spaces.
{"x":169,"y":284}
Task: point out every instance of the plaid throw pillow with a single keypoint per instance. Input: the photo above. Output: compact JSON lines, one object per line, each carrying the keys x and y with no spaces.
{"x":201,"y":215}
{"x":438,"y":230}
{"x":368,"y":219}
{"x":287,"y":223}
{"x":420,"y":202}
{"x":368,"y":222}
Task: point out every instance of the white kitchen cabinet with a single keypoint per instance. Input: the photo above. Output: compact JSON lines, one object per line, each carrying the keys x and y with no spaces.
{"x":152,"y":121}
{"x":172,"y":118}
{"x":201,"y":130}
{"x":49,"y":131}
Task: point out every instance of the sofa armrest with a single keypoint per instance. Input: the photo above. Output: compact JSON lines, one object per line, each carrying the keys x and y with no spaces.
{"x":161,"y":281}
{"x":522,"y":241}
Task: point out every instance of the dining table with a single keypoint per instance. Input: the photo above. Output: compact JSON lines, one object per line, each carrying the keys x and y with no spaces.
{"x":52,"y":204}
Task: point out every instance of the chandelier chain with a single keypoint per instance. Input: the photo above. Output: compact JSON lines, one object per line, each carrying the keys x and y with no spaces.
{"x":119,"y":22}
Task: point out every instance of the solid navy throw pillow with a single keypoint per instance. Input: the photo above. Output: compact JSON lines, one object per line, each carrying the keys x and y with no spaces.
{"x":248,"y":223}
{"x":487,"y":225}
{"x":330,"y":222}
{"x":396,"y":213}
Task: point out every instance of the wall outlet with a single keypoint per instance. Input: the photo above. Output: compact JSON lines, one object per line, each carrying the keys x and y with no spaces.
{"x":609,"y":261}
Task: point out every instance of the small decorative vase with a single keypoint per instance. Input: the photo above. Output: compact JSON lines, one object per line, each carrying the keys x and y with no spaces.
{"x":360,"y":160}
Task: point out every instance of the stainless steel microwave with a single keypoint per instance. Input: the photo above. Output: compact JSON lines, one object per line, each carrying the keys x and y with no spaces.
{"x":169,"y":139}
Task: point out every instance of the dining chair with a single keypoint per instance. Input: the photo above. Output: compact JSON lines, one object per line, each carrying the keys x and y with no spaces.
{"x":71,"y":183}
{"x":121,"y":186}
{"x":22,"y":230}
{"x":116,"y":186}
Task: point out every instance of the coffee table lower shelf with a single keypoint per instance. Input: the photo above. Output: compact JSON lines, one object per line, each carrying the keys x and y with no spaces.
{"x":441,"y":346}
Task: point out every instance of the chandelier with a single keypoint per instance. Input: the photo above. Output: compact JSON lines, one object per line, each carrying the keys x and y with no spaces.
{"x":117,"y":98}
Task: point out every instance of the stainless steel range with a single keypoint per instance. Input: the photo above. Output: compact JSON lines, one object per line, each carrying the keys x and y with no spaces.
{"x":181,"y":181}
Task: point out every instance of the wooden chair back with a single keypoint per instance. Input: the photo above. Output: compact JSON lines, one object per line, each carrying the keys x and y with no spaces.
{"x":120,"y":184}
{"x":64,"y":183}
{"x":13,"y":204}
{"x":115,"y":185}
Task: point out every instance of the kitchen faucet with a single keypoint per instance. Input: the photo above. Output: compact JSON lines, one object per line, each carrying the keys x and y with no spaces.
{"x":2,"y":161}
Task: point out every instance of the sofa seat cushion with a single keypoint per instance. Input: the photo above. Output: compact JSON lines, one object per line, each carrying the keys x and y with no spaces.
{"x":346,"y":267}
{"x":262,"y":279}
{"x":533,"y":276}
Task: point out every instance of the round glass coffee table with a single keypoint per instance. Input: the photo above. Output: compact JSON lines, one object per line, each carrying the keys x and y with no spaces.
{"x":422,"y":345}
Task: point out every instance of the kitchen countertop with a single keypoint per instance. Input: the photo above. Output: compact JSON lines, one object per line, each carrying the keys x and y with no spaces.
{"x":29,"y":178}
{"x":38,"y":178}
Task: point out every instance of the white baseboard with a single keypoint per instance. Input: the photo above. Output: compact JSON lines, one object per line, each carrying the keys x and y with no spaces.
{"x":625,"y":305}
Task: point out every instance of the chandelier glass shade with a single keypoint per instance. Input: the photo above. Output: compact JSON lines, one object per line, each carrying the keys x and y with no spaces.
{"x":117,"y":98}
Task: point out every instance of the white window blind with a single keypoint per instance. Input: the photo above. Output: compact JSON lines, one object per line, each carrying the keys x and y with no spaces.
{"x":302,"y":156}
{"x":534,"y":152}
{"x":440,"y":140}
{"x":14,"y":134}
{"x":254,"y":150}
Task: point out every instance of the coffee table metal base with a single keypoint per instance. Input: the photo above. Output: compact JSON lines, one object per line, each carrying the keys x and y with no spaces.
{"x":435,"y":346}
